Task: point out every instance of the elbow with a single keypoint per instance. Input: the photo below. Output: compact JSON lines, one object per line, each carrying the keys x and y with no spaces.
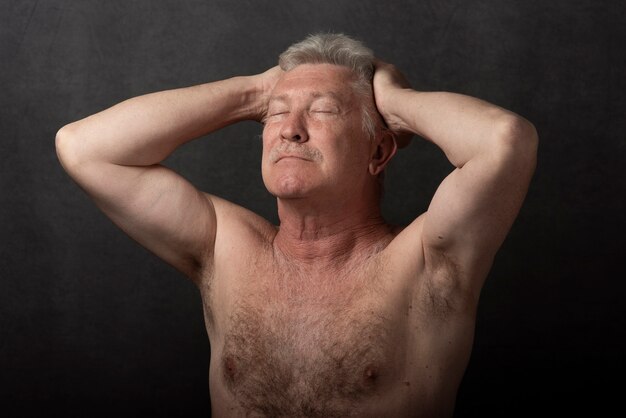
{"x":517,"y":138}
{"x":66,"y":147}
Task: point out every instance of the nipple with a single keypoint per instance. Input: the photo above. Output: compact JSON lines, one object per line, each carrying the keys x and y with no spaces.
{"x":370,"y":374}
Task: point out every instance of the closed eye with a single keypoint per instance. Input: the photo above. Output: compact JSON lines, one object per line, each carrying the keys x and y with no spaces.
{"x":277,"y":114}
{"x":325,"y":111}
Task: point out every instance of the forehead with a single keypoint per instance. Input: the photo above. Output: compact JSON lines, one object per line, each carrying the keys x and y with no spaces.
{"x":317,"y":80}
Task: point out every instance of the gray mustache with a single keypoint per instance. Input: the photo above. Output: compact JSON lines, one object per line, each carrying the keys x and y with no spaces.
{"x":300,"y":151}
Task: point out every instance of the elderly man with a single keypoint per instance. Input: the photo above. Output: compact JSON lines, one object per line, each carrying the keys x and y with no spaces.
{"x":334,"y":312}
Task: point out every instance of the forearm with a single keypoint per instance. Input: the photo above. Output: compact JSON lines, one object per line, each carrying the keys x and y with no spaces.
{"x":144,"y":130}
{"x":463,"y":127}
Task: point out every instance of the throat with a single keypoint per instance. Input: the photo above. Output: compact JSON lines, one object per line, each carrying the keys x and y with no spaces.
{"x":329,"y":250}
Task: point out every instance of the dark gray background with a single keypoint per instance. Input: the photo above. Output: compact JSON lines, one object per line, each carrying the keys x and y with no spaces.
{"x":91,"y":324}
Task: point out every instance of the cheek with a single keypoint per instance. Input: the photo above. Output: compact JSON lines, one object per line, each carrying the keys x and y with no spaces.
{"x":266,"y":137}
{"x":266,"y":149}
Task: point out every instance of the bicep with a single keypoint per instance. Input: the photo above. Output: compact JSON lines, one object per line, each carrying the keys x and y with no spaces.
{"x":156,"y":207}
{"x":474,"y":208}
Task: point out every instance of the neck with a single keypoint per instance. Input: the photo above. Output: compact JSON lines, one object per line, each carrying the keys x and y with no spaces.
{"x":326,"y":235}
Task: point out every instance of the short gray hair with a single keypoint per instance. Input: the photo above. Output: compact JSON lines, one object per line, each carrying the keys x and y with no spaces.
{"x":339,"y":49}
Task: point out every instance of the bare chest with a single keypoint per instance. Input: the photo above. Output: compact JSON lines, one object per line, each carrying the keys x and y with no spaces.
{"x":294,"y":345}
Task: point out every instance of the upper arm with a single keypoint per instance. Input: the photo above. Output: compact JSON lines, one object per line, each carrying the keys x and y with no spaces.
{"x":475,"y":206}
{"x":158,"y":208}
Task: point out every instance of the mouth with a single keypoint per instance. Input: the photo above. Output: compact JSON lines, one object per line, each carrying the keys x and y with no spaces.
{"x":291,"y":157}
{"x":284,"y":152}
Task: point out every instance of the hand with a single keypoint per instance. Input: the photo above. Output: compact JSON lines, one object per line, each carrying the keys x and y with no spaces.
{"x":387,"y":81}
{"x":265,"y":83}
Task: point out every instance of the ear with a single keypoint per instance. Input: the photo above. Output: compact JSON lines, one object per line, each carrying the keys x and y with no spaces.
{"x":383,"y":149}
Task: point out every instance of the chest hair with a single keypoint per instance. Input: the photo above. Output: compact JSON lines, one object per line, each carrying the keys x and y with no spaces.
{"x":298,"y":345}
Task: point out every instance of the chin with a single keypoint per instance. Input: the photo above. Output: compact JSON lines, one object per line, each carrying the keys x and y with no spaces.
{"x":288,"y":187}
{"x":287,"y":191}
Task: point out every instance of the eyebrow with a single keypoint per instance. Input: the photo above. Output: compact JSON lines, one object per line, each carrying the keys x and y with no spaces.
{"x":314,"y":95}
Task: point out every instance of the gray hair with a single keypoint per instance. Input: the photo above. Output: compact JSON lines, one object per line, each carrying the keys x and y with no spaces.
{"x":339,"y":49}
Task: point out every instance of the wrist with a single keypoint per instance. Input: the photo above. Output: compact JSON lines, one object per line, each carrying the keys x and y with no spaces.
{"x":394,"y":109}
{"x":253,"y":99}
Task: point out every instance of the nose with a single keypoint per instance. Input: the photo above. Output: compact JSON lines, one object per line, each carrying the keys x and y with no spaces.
{"x":293,"y":129}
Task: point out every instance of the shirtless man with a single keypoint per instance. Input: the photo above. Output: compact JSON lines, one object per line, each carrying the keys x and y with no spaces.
{"x":334,"y":312}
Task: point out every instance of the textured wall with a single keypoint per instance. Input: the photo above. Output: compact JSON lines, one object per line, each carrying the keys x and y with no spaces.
{"x":91,"y":324}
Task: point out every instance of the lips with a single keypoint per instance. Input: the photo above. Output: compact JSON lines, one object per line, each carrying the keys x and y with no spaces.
{"x":297,"y":157}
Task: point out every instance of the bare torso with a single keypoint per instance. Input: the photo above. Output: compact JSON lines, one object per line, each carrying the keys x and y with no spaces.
{"x":336,"y":313}
{"x":369,"y":339}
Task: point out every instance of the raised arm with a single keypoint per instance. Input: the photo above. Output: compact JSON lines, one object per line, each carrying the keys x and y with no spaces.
{"x":114,"y":156}
{"x":494,"y":152}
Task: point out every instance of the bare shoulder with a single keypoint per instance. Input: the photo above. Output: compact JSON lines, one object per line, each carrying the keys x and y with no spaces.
{"x":406,"y":249}
{"x":239,"y":230}
{"x":235,"y":218}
